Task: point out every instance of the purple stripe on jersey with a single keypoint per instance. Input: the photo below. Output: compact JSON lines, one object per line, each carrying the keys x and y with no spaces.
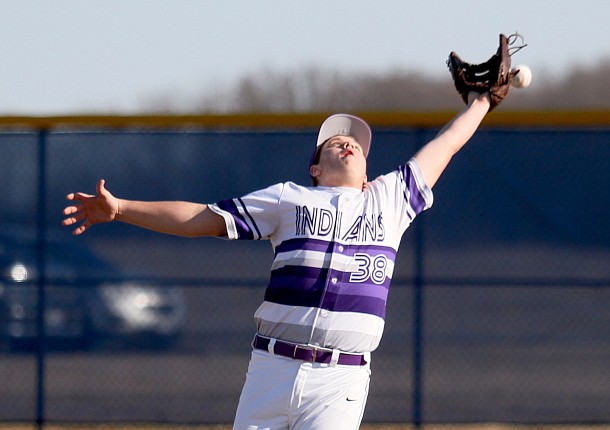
{"x":367,"y":289}
{"x":245,"y":209}
{"x":304,"y":244}
{"x":305,"y":286}
{"x":364,"y":296}
{"x":243,"y":230}
{"x":296,"y":286}
{"x":371,"y":250}
{"x":364,"y":305}
{"x":298,"y":277}
{"x":416,"y":200}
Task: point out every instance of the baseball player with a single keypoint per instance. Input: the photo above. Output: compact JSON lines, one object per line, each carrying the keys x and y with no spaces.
{"x":335,"y":245}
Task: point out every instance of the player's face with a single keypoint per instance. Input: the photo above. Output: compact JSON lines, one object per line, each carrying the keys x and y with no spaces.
{"x":342,"y":160}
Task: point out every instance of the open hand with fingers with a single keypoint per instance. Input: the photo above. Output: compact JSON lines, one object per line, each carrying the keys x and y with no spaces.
{"x":100,"y":208}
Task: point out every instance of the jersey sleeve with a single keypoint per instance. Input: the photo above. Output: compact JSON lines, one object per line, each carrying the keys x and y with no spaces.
{"x":251,"y":217}
{"x":417,"y":193}
{"x":407,"y":192}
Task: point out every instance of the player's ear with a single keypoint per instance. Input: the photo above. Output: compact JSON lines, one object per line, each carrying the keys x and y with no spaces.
{"x":314,"y":170}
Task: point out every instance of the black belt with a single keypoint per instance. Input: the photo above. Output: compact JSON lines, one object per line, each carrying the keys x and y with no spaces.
{"x":306,"y":353}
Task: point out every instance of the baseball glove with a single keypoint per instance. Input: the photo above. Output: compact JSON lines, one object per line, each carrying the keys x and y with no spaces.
{"x":494,"y":75}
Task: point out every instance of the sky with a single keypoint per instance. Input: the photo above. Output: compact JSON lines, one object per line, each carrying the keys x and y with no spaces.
{"x":114,"y":56}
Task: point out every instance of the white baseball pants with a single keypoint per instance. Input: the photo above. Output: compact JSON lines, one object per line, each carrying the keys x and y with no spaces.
{"x":286,"y":394}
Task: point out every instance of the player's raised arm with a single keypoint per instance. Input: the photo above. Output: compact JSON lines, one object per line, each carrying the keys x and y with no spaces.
{"x":172,"y":217}
{"x":434,"y":157}
{"x":483,"y":87}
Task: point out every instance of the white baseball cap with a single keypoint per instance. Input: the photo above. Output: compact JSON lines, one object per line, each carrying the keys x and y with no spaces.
{"x":343,"y":124}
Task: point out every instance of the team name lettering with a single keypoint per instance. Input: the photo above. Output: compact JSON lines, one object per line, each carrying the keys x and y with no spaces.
{"x":366,"y":228}
{"x":314,"y":221}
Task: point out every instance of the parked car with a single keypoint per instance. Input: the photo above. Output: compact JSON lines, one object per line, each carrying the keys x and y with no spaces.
{"x":87,"y":300}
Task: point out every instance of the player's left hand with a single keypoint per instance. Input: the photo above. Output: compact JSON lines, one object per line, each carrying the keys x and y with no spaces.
{"x":493,"y":76}
{"x":482,"y":97}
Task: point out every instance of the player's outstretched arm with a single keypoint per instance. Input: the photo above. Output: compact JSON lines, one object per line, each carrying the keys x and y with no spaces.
{"x":177,"y":218}
{"x":434,"y":157}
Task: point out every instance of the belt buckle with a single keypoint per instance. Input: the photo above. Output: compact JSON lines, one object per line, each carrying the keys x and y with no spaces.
{"x":315,"y":353}
{"x":313,"y":349}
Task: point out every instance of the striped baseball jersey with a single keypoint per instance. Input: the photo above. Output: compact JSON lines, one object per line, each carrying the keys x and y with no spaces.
{"x":334,"y":250}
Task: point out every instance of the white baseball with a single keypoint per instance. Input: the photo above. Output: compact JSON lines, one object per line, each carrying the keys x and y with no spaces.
{"x":523,"y":78}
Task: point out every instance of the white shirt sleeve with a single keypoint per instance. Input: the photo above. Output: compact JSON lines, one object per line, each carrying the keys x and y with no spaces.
{"x":406,"y":192}
{"x":254,"y":216}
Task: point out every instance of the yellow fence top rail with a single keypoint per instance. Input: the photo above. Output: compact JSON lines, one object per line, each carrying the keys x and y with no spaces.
{"x":555,"y":119}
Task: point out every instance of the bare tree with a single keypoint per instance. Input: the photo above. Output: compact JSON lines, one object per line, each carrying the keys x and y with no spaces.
{"x":316,"y":89}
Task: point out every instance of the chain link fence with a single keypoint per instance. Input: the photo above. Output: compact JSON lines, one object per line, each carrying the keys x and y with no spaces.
{"x":498,"y":312}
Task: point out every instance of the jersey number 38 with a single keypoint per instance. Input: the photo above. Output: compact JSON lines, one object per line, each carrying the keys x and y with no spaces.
{"x":370,"y":267}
